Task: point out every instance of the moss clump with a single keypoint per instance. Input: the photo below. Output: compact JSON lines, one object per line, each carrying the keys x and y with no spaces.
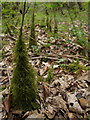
{"x":23,"y":83}
{"x":50,"y":75}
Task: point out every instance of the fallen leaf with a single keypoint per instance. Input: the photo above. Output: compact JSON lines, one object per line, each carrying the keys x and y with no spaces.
{"x":73,"y":103}
{"x":71,"y":115}
{"x":84,"y":103}
{"x":46,"y":91}
{"x":7,"y":103}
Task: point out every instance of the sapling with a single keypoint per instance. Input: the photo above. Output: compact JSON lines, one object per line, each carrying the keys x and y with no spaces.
{"x":32,"y":40}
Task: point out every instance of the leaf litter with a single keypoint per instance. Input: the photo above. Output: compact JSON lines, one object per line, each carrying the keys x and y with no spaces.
{"x":67,"y":95}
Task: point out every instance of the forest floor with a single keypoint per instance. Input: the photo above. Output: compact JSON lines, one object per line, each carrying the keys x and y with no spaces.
{"x":63,"y":82}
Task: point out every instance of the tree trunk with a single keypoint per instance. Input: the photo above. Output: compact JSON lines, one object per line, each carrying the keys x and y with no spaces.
{"x":32,"y":36}
{"x":55,"y":24}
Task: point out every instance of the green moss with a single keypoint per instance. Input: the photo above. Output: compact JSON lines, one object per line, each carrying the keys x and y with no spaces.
{"x":23,"y":83}
{"x":50,"y":75}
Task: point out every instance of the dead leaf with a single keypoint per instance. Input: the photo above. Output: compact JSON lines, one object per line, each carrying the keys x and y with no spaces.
{"x":5,"y":92}
{"x":46,"y":90}
{"x":73,"y":103}
{"x":7,"y":103}
{"x":86,"y":116}
{"x":35,"y":115}
{"x":26,"y":115}
{"x":71,"y":115}
{"x":56,"y":83}
{"x":84,"y":103}
{"x":58,"y":102}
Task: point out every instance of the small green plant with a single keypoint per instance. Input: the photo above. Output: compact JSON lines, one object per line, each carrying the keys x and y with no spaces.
{"x":83,"y":42}
{"x":50,"y":75}
{"x":3,"y":54}
{"x":76,"y":67}
{"x":36,"y":49}
{"x":63,"y":65}
{"x":45,"y":59}
{"x":47,"y":45}
{"x":2,"y":88}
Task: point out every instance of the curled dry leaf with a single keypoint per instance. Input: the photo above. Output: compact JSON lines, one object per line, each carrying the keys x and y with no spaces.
{"x":42,"y":71}
{"x":73,"y":103}
{"x":58,"y":102}
{"x":50,"y":113}
{"x":71,"y":115}
{"x":26,"y":115}
{"x":5,"y":92}
{"x":7,"y":103}
{"x":17,"y":113}
{"x":53,"y":91}
{"x":35,"y":115}
{"x":84,"y":103}
{"x":46,"y":90}
{"x":55,"y":105}
{"x":56,"y":83}
{"x":88,"y":98}
{"x":86,"y":116}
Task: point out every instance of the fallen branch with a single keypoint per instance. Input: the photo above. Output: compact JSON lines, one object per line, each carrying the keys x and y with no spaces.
{"x":75,"y":56}
{"x":54,"y":58}
{"x":40,"y":57}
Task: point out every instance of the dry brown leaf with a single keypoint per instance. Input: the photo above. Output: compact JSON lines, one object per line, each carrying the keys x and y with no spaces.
{"x":56,"y":83}
{"x":43,"y":70}
{"x":57,"y":102}
{"x":46,"y":90}
{"x":50,"y":115}
{"x":5,"y":92}
{"x":26,"y":115}
{"x":7,"y":103}
{"x":60,"y":102}
{"x":84,"y":103}
{"x":35,"y":115}
{"x":50,"y":109}
{"x":53,"y":91}
{"x":4,"y":78}
{"x":86,"y":116}
{"x":73,"y":103}
{"x":71,"y":115}
{"x":17,"y":112}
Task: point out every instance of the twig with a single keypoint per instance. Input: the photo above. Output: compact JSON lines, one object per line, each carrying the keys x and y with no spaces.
{"x":13,"y":38}
{"x":75,"y":56}
{"x":40,"y":57}
{"x":54,"y":58}
{"x":27,"y":10}
{"x":8,"y":73}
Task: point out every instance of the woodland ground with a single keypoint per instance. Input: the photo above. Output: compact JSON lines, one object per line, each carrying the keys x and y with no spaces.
{"x":62,"y":67}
